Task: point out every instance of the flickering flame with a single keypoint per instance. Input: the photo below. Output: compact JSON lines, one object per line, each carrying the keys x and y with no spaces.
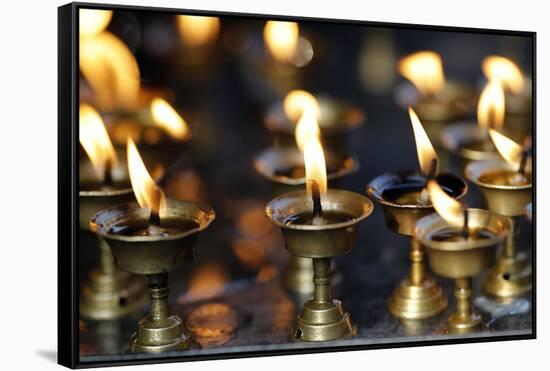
{"x":424,"y":149}
{"x":198,"y":31}
{"x":95,"y":140}
{"x":147,"y":193}
{"x":447,"y":207}
{"x":281,"y":39}
{"x":508,"y":149}
{"x":93,"y":21}
{"x":308,"y":140}
{"x":107,"y":63}
{"x":490,"y":108}
{"x":165,"y":116}
{"x":425,"y":70}
{"x":297,"y":102}
{"x":504,"y":71}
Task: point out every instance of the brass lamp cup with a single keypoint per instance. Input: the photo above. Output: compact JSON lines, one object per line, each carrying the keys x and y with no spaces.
{"x":463,"y":260}
{"x":455,"y":103}
{"x":512,"y":275}
{"x":418,"y":296}
{"x":337,"y":120}
{"x":108,"y":292}
{"x":155,"y":256}
{"x":322,"y":318}
{"x":298,"y":273}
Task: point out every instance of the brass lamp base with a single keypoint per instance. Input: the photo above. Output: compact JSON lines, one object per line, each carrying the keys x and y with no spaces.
{"x":153,"y":336}
{"x":323,"y":321}
{"x":464,"y":323}
{"x":510,"y":277}
{"x":108,"y":296}
{"x":298,"y":275}
{"x":417,"y":301}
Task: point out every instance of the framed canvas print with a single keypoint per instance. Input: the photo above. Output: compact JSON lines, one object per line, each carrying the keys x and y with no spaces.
{"x":236,"y":185}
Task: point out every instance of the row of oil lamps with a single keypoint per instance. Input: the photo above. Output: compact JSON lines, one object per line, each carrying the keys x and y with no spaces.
{"x":159,"y":235}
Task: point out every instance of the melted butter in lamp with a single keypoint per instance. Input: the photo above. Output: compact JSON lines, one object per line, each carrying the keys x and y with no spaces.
{"x":456,"y":235}
{"x":505,"y":178}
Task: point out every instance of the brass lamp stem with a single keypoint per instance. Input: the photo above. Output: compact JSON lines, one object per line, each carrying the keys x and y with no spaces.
{"x":158,"y":293}
{"x":463,"y":294}
{"x":321,"y":279}
{"x":106,"y":260}
{"x":510,"y":249}
{"x":416,"y":255}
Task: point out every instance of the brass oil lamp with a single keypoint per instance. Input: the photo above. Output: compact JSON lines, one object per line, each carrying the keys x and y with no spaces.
{"x":153,"y":239}
{"x":285,"y":168}
{"x":336,"y":119}
{"x":319,"y":224}
{"x":468,"y":141}
{"x":108,"y":293}
{"x":507,"y":187}
{"x":461,"y":244}
{"x":437,"y":101}
{"x":404,"y":199}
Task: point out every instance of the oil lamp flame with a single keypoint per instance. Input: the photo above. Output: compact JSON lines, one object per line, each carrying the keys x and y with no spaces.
{"x":197,"y":31}
{"x":147,"y":193}
{"x":93,"y":21}
{"x":490,"y":108}
{"x":281,"y":39}
{"x":107,"y":63}
{"x":308,"y":140}
{"x":297,"y":101}
{"x":425,"y":70}
{"x":504,"y":71}
{"x":165,"y":116}
{"x":424,"y":149}
{"x":95,"y":140}
{"x":447,"y":207}
{"x":508,"y":149}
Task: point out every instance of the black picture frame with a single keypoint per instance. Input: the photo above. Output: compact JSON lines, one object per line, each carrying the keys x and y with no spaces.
{"x":68,"y":93}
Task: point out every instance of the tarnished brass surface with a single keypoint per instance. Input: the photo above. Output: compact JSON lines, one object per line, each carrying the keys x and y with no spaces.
{"x":155,"y":256}
{"x":508,"y":200}
{"x":512,"y":275}
{"x":417,"y":296}
{"x":108,"y":293}
{"x":455,"y":103}
{"x":462,"y":260}
{"x":402,"y":218}
{"x":298,"y":275}
{"x":322,"y":318}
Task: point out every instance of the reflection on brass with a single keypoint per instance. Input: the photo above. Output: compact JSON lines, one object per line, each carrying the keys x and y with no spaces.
{"x":322,"y":318}
{"x":107,"y":293}
{"x":418,"y":296}
{"x":213,"y":324}
{"x":512,"y":275}
{"x":463,"y":259}
{"x":155,"y":256}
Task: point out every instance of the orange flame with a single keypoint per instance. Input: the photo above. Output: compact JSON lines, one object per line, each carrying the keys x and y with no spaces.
{"x":197,"y":31}
{"x":508,"y":149}
{"x":308,"y":140}
{"x":147,"y":193}
{"x":106,"y":63}
{"x":504,"y":71}
{"x":424,"y":149}
{"x":297,"y":102}
{"x":490,"y":108}
{"x":281,"y":39}
{"x":447,"y":207}
{"x":425,"y":70}
{"x":95,"y":140}
{"x":165,"y":116}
